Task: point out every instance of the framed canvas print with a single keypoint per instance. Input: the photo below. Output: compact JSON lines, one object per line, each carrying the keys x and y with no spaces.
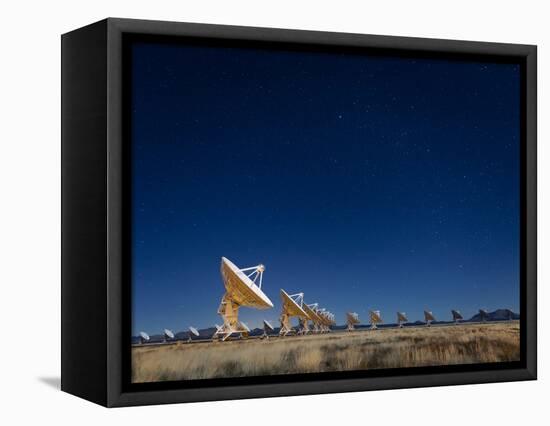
{"x":253,"y":212}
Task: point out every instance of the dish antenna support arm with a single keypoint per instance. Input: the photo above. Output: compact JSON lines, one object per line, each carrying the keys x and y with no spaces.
{"x":229,"y":311}
{"x":286,"y":326}
{"x":304,"y":325}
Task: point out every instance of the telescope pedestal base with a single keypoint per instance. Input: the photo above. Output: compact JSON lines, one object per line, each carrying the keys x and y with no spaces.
{"x":304,"y":327}
{"x":229,"y":311}
{"x":286,"y":327}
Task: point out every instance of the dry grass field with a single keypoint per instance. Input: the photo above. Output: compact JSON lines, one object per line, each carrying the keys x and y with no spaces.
{"x":359,"y":350}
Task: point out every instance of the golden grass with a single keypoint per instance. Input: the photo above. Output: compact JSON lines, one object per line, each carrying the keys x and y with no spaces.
{"x":359,"y":350}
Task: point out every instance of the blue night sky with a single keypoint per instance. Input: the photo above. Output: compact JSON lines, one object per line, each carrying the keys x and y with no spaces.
{"x":365,"y":182}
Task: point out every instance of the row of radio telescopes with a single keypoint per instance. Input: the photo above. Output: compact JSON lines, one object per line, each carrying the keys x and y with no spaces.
{"x":243,"y":287}
{"x":352,"y":318}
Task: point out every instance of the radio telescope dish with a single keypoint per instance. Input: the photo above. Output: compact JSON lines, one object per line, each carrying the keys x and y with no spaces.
{"x":327,"y":320}
{"x":483,"y":315}
{"x":168,"y":335}
{"x":352,"y":318}
{"x":429,"y":317}
{"x":240,"y":290}
{"x":375,"y":319}
{"x":192,"y":332}
{"x":304,"y":321}
{"x":457,"y":316}
{"x":293,"y":304}
{"x":316,"y":319}
{"x":401,"y":319}
{"x":292,"y":307}
{"x":143,"y":337}
{"x":267,"y":328}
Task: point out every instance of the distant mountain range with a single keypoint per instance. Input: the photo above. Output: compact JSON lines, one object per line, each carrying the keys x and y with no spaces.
{"x":498,"y":315}
{"x":207,"y":333}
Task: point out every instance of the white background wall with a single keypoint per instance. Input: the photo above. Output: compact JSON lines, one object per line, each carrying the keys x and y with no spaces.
{"x":30,"y":209}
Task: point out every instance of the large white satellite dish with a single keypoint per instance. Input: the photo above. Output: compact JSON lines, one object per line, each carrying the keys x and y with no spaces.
{"x":457,"y":316}
{"x":429,"y":317}
{"x":240,"y":290}
{"x":292,"y":307}
{"x":352,"y":319}
{"x":143,"y":337}
{"x":375,"y":319}
{"x":401,"y":319}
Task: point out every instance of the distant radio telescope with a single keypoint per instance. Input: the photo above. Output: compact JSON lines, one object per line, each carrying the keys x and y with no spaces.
{"x":327,"y":319}
{"x":316,"y":320}
{"x":457,"y":316}
{"x":143,"y":337}
{"x":292,"y":307}
{"x":401,"y":319}
{"x":192,"y":332}
{"x":352,"y":319}
{"x":267,"y":329}
{"x":168,"y":335}
{"x":375,"y":319}
{"x":428,"y":318}
{"x":321,"y":318}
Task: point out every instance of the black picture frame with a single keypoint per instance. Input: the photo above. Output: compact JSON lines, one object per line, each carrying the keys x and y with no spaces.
{"x":95,"y":256}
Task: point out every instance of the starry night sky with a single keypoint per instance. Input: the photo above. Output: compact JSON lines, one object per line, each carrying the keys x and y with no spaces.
{"x":366,"y":182}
